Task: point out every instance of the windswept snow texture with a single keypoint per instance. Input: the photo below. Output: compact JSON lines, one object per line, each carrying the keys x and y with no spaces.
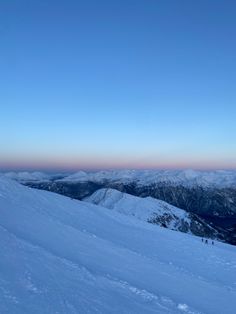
{"x":217,"y":178}
{"x":65,"y":256}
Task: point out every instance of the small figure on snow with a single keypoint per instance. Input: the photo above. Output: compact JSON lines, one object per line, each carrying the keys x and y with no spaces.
{"x":206,"y":241}
{"x":212,"y":243}
{"x":202,"y":240}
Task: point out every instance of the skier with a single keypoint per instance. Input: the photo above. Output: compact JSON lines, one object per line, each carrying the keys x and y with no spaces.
{"x":212,"y":242}
{"x":206,"y":241}
{"x":202,"y":240}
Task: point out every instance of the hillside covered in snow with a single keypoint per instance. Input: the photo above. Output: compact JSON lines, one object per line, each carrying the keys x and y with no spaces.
{"x":152,"y":210}
{"x":211,"y":195}
{"x":60,"y":255}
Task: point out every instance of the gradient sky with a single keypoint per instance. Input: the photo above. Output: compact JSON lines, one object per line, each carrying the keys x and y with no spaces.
{"x":117,"y":84}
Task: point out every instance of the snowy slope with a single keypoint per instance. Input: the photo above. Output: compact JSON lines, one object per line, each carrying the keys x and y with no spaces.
{"x":220,"y":178}
{"x":142,"y":208}
{"x":151,"y":210}
{"x":65,"y":256}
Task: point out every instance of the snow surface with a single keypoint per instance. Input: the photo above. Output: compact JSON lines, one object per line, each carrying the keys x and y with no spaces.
{"x":142,"y":208}
{"x":221,"y":178}
{"x":65,"y":256}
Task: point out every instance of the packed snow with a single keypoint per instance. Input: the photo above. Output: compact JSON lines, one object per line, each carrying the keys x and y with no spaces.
{"x":60,"y":255}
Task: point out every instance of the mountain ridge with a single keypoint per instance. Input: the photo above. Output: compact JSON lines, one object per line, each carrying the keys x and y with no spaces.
{"x":153,"y":211}
{"x":66,"y":256}
{"x":216,"y":204}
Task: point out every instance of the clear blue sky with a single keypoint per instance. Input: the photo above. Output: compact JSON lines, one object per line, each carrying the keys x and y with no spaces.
{"x":126,"y":84}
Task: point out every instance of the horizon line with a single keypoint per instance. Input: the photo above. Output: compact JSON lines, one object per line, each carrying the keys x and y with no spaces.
{"x":95,"y":169}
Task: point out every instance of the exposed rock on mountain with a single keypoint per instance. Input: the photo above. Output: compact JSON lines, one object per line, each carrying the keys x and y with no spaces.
{"x":209,"y":194}
{"x":65,"y":256}
{"x":153,"y":211}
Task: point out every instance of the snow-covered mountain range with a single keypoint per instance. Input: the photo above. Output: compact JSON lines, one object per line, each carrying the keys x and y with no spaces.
{"x":152,"y":210}
{"x":217,"y":178}
{"x":27,"y":176}
{"x":209,"y":194}
{"x":60,"y":255}
{"x":145,"y":177}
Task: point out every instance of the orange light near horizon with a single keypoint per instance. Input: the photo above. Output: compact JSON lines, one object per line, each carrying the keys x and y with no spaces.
{"x":73,"y":165}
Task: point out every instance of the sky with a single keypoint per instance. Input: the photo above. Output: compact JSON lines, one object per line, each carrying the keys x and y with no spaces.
{"x":117,"y":84}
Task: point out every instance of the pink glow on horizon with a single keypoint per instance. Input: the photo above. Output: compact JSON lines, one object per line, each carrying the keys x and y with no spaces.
{"x":100,"y":164}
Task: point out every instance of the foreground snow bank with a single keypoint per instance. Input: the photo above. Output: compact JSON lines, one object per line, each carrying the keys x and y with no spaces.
{"x":64,"y":256}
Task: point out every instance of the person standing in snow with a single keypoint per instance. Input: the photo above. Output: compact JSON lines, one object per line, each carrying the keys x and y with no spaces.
{"x":206,"y":241}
